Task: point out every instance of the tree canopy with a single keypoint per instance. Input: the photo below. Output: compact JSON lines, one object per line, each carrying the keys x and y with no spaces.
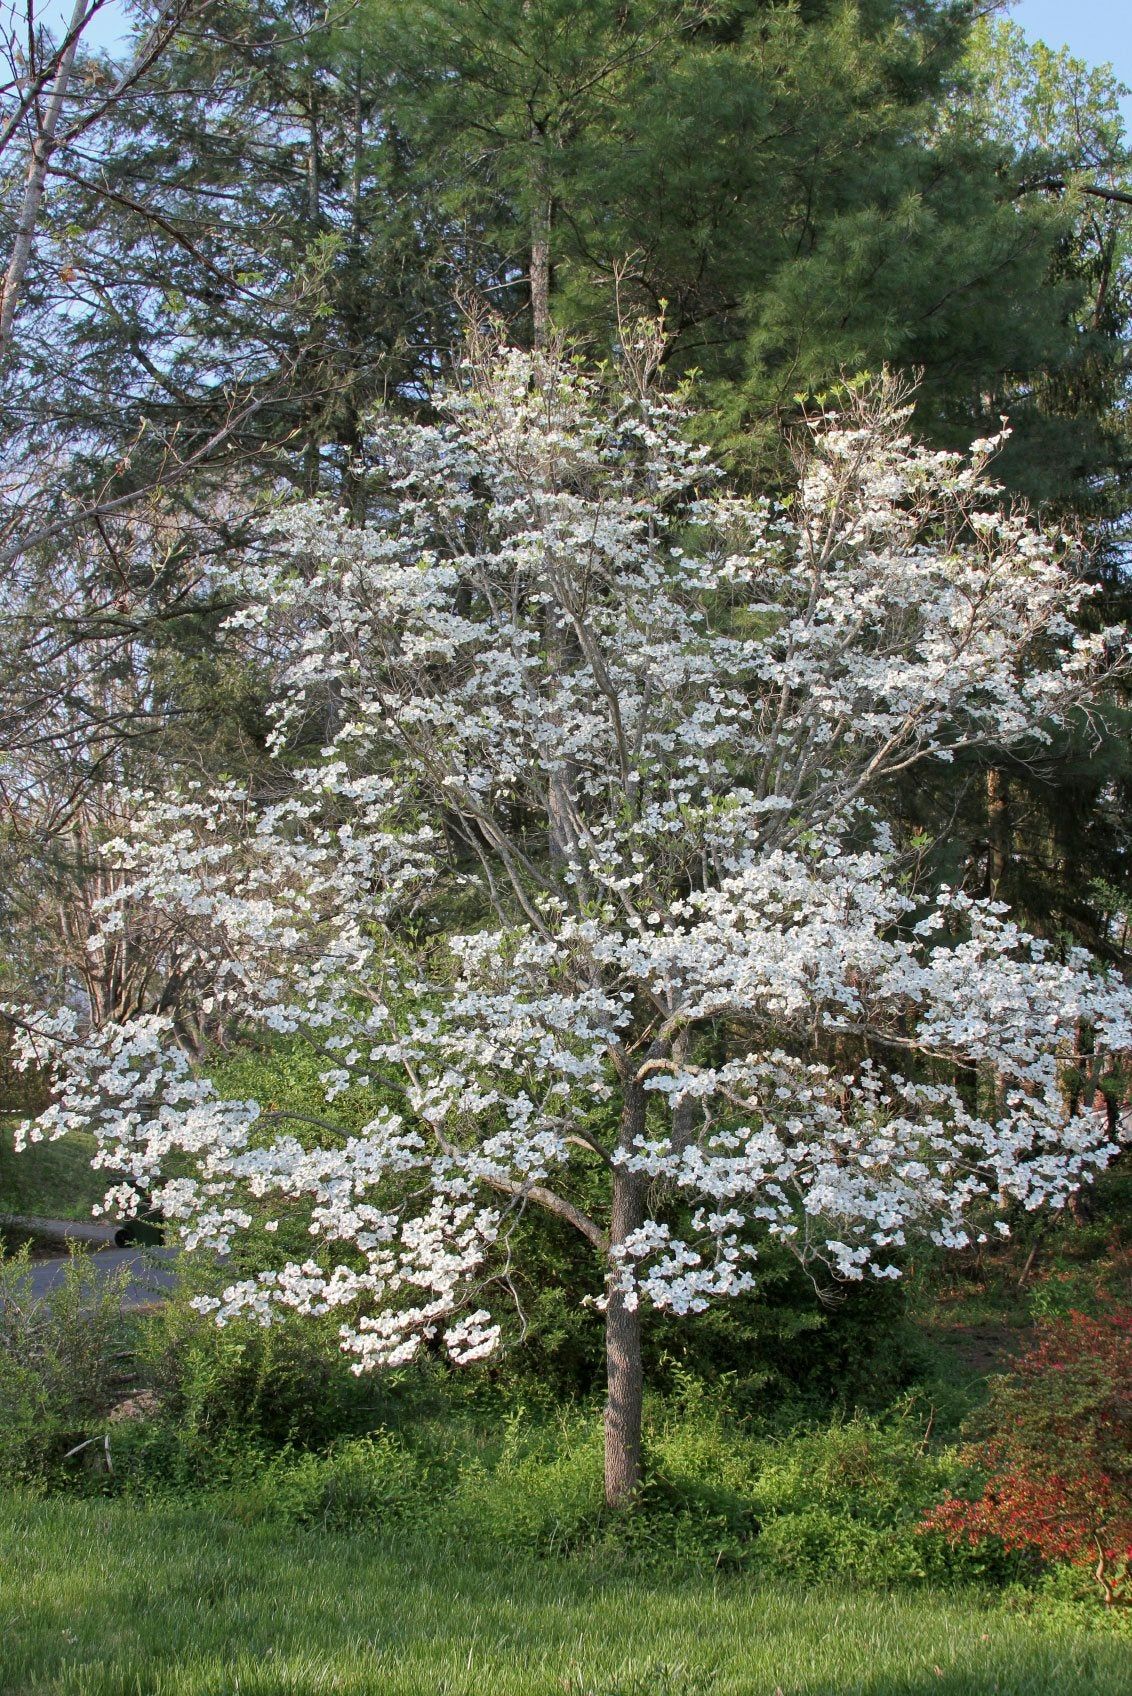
{"x":595,"y":866}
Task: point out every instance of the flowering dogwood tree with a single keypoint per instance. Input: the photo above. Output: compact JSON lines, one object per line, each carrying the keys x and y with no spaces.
{"x":638,"y":732}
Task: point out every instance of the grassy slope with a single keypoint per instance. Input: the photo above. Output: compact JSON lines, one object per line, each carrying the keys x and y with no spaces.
{"x":53,"y":1179}
{"x":115,"y":1600}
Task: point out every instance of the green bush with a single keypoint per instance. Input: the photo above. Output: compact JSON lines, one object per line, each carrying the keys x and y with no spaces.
{"x":542,"y":1492}
{"x":273,"y":1424}
{"x":263,"y":1387}
{"x":365,"y":1483}
{"x":841,"y":1499}
{"x":789,"y":1353}
{"x":837,"y":1502}
{"x":825,"y":1501}
{"x":1068,"y":1288}
{"x":782,"y":1347}
{"x":62,"y":1362}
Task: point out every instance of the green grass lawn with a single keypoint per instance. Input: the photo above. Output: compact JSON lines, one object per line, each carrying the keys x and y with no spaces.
{"x":50,"y":1179}
{"x":116,"y":1599}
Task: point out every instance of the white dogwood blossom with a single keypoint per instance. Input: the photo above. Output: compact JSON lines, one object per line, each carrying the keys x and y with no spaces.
{"x":592,"y":872}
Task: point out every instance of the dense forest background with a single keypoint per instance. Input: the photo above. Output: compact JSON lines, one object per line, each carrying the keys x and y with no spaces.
{"x":264,"y":221}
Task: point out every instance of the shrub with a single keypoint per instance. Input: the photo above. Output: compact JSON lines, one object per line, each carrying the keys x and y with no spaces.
{"x":782,"y":1347}
{"x":364,"y":1483}
{"x":61,"y":1365}
{"x":789,"y":1349}
{"x":541,"y":1492}
{"x":1057,"y":1463}
{"x":845,"y":1500}
{"x":840,"y":1501}
{"x":251,"y":1385}
{"x":830,"y":1501}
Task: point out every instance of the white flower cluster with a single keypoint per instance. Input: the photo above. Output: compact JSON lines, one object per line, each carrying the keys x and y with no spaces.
{"x":633,"y":727}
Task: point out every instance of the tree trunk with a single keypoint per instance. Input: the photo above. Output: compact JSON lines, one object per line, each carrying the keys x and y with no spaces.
{"x":314,"y":159}
{"x":41,"y":150}
{"x":541,"y":217}
{"x":624,"y":1368}
{"x":684,"y":1114}
{"x":540,"y":277}
{"x":561,"y":654}
{"x":998,"y":831}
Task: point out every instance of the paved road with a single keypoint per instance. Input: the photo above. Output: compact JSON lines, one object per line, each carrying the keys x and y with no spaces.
{"x":149,"y":1269}
{"x":150,"y":1273}
{"x":67,"y":1230}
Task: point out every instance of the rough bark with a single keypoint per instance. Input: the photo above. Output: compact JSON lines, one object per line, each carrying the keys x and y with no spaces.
{"x":541,"y":217}
{"x":540,"y":277}
{"x":562,"y":782}
{"x":623,"y":1363}
{"x":684,"y":1113}
{"x":998,"y":831}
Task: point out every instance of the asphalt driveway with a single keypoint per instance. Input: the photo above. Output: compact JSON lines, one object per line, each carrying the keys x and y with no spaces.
{"x":150,"y":1273}
{"x":149,"y":1270}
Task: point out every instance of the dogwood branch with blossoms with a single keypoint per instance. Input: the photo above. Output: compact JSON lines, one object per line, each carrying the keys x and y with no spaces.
{"x":637,"y":730}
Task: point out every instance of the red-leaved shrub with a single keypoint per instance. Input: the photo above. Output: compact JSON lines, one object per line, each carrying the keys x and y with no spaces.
{"x":1058,"y":1459}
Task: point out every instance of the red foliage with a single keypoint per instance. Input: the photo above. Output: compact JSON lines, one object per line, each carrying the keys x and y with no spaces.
{"x":1058,"y":1460}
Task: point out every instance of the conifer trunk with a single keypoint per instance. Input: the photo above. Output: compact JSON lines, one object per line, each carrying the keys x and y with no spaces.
{"x":541,"y":218}
{"x":540,"y":275}
{"x":998,"y":831}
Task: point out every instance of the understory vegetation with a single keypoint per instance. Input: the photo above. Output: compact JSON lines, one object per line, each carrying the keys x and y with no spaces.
{"x":825,"y":1448}
{"x":805,"y":1463}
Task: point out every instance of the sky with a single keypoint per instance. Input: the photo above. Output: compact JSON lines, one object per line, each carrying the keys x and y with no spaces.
{"x":1099,"y":31}
{"x":107,"y":29}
